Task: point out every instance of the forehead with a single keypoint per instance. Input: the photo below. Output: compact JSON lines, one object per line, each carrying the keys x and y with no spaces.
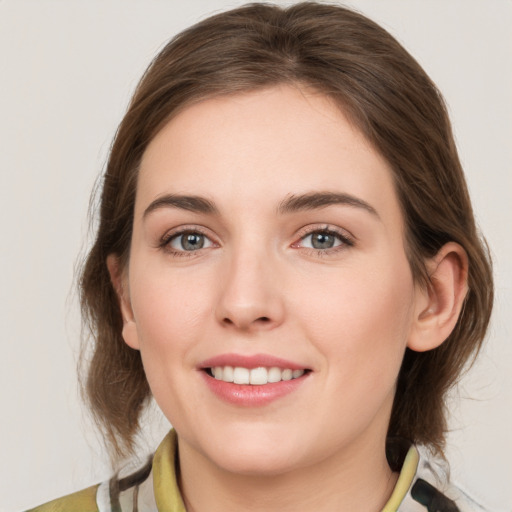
{"x":262,"y":146}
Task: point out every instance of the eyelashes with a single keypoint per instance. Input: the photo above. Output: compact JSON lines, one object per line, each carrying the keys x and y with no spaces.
{"x":190,"y":241}
{"x":324,"y":241}
{"x":186,"y":242}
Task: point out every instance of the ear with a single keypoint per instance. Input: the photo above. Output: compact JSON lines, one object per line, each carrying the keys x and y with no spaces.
{"x":120,"y":284}
{"x":438,"y":306}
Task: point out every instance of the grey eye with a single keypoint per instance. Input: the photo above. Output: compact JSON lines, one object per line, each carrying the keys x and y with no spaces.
{"x":190,"y":241}
{"x":321,"y":240}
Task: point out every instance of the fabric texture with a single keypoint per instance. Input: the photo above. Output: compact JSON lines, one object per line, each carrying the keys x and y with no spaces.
{"x":422,"y":486}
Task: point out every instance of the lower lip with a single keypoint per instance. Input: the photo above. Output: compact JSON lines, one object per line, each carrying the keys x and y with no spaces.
{"x":252,"y":396}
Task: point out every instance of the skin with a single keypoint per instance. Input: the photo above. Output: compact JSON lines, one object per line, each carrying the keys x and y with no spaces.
{"x":258,"y":286}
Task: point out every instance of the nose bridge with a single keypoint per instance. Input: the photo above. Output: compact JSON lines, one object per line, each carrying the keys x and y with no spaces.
{"x":249,"y":298}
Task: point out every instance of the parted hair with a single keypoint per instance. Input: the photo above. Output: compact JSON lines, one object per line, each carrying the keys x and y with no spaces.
{"x":386,"y":95}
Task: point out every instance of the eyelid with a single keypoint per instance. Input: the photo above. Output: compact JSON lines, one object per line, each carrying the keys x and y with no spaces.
{"x":181,"y":238}
{"x":347,"y":239}
{"x":168,"y":236}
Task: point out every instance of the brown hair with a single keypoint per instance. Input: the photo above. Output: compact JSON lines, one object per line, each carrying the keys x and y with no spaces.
{"x":386,"y":94}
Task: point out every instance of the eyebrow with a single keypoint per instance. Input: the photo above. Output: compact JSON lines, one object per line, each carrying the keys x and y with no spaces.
{"x":316,"y":200}
{"x":294,"y":203}
{"x":190,"y":203}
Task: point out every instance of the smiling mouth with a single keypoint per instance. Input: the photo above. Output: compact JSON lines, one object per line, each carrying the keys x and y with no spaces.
{"x":253,"y":376}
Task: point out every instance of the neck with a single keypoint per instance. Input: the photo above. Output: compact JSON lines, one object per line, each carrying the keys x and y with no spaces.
{"x":358,"y":478}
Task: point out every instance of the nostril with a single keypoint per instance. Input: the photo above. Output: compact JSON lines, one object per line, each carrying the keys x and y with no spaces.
{"x":263,"y":319}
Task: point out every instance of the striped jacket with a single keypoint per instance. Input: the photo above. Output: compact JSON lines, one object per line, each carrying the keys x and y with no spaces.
{"x":153,"y":488}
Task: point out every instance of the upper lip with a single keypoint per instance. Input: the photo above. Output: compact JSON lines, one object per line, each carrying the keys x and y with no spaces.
{"x":250,"y":361}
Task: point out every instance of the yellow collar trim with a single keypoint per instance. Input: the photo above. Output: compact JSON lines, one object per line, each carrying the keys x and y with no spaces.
{"x":165,"y":481}
{"x":168,"y":496}
{"x":404,"y":481}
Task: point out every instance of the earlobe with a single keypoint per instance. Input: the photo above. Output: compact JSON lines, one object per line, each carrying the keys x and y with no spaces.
{"x":119,"y":282}
{"x":438,"y":306}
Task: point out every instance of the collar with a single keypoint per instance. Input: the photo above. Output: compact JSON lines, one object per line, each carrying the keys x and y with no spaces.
{"x":165,"y":480}
{"x":168,"y":496}
{"x":405,"y":479}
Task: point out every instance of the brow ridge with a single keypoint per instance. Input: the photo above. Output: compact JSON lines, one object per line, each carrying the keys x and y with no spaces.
{"x":293,"y":203}
{"x":316,"y":200}
{"x":183,"y":202}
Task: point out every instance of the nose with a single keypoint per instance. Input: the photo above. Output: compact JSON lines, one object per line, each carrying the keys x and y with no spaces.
{"x":249,"y":294}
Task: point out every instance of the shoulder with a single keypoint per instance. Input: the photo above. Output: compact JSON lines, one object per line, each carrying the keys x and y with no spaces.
{"x":130,"y":491}
{"x":149,"y":487}
{"x":81,"y":501}
{"x":432,"y":488}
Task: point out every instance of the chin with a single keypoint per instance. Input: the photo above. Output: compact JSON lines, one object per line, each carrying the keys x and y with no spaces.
{"x":260,"y":464}
{"x":259,"y":454}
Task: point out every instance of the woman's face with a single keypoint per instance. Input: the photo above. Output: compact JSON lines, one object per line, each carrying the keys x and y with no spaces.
{"x":268,"y":237}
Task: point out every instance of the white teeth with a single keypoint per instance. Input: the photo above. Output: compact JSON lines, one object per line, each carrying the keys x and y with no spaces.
{"x":258,"y":376}
{"x":255,"y":376}
{"x":274,"y":374}
{"x":227,"y":374}
{"x":287,"y":374}
{"x":241,"y":375}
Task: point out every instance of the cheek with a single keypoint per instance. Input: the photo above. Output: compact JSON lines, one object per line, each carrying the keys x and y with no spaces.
{"x":170,"y":317}
{"x":171,"y":313}
{"x":362,"y":318}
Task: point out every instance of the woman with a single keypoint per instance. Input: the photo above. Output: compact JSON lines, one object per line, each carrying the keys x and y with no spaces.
{"x":287,"y":261}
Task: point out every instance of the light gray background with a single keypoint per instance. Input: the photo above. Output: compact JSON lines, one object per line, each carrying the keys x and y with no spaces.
{"x":67,"y":69}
